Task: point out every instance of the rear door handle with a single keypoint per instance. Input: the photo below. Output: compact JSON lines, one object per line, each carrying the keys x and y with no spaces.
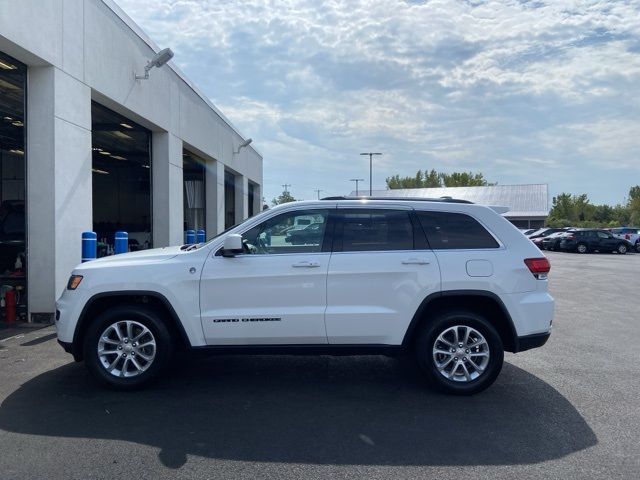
{"x":415,"y":261}
{"x":306,"y":264}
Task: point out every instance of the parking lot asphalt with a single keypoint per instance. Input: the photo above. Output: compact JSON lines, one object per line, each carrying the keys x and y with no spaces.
{"x":570,"y":410}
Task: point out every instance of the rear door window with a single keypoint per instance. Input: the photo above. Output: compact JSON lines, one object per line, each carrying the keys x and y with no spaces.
{"x":446,"y":230}
{"x":375,"y":230}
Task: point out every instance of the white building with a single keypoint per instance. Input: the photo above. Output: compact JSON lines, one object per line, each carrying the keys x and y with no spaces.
{"x":528,"y":204}
{"x":86,"y":146}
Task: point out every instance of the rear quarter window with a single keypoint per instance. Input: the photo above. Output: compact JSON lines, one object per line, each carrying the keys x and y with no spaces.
{"x":446,"y":231}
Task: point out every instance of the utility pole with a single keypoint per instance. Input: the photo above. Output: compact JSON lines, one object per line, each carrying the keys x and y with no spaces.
{"x":318,"y":192}
{"x":357,"y":180}
{"x":286,"y":186}
{"x":371,"y":154}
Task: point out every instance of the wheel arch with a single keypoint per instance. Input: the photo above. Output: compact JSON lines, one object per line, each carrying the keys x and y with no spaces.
{"x":480,"y":301}
{"x":154,"y":301}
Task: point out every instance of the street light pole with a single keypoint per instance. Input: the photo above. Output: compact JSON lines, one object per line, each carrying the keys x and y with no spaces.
{"x":371,"y":154}
{"x":318,"y":192}
{"x":357,"y":180}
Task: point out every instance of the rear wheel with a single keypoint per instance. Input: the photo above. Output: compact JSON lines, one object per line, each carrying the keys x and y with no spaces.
{"x":582,"y":248}
{"x":126,"y":347}
{"x":622,"y":249}
{"x":460,"y":353}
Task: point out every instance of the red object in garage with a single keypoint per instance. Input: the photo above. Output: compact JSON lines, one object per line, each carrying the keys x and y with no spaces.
{"x":10,"y":305}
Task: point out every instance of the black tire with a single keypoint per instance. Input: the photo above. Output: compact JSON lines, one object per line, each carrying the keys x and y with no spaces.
{"x":622,"y":249}
{"x":141,"y":315}
{"x":426,"y":341}
{"x":638,"y":246}
{"x":582,"y":246}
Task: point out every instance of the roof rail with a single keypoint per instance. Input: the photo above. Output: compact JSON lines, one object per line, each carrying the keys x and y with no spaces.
{"x":406,"y":199}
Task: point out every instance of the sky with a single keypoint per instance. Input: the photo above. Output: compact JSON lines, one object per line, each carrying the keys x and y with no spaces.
{"x":522,"y":91}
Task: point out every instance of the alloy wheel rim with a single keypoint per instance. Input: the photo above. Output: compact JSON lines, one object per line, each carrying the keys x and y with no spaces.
{"x":461,"y":353}
{"x":126,"y":349}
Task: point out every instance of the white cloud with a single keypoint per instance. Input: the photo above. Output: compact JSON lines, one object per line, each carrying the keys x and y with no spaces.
{"x":520,"y":90}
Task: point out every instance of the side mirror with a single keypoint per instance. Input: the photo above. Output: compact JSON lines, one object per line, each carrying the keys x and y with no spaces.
{"x":232,"y":245}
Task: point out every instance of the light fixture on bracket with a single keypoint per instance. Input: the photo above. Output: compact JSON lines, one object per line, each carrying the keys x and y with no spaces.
{"x":246,"y":143}
{"x":158,"y":60}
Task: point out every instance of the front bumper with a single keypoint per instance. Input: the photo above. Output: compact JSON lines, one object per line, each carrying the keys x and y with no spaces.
{"x":531,"y":341}
{"x":66,"y":346}
{"x":69,"y":348}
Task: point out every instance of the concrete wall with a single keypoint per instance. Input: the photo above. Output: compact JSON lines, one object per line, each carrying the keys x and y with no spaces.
{"x":83,"y":50}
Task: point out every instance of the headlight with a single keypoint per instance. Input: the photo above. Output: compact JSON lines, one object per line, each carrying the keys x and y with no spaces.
{"x":73,"y":282}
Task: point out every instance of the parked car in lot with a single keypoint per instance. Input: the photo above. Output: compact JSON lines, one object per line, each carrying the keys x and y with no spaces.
{"x":594,"y":240}
{"x":631,"y":234}
{"x":538,"y":236}
{"x":452,"y":284}
{"x":552,"y":242}
{"x":544,"y":232}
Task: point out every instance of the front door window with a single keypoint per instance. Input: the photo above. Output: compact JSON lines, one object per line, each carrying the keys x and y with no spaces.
{"x":292,"y":232}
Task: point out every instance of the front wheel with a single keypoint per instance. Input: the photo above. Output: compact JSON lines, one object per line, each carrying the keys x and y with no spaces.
{"x":126,"y":347}
{"x":460,"y":353}
{"x":622,"y":249}
{"x":582,"y":248}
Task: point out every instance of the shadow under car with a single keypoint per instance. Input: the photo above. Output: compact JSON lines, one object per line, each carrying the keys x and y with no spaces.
{"x":321,"y":410}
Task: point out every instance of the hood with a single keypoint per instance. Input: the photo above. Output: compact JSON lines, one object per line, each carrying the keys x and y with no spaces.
{"x":152,"y":255}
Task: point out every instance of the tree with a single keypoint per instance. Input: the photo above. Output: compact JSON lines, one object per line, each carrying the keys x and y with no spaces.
{"x":634,"y":205}
{"x":285,"y":197}
{"x":562,"y":207}
{"x":464,"y":179}
{"x":577,"y":211}
{"x":431,"y":179}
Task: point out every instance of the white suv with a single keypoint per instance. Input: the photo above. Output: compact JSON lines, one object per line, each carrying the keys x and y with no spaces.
{"x":630,"y":234}
{"x":450,"y":282}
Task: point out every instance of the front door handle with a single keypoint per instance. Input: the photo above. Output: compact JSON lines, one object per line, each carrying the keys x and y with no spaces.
{"x":306,"y":264}
{"x":414,"y":261}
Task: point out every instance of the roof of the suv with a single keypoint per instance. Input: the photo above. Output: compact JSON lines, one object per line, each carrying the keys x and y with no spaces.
{"x":401,"y":199}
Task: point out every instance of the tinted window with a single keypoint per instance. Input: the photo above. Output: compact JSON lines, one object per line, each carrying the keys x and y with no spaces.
{"x":280,"y":235}
{"x":369,"y":230}
{"x":454,"y":230}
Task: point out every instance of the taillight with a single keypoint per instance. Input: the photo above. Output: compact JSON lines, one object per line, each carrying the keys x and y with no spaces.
{"x":539,"y":267}
{"x":570,"y":237}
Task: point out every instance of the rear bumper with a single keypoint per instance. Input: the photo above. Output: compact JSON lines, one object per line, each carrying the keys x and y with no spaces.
{"x":531,"y":341}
